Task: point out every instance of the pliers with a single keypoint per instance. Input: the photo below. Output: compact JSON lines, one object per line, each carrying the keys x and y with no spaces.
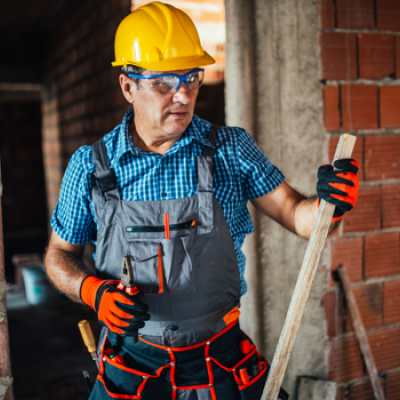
{"x":127,"y":283}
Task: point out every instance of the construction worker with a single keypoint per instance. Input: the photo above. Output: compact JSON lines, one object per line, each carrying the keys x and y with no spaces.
{"x":169,"y":191}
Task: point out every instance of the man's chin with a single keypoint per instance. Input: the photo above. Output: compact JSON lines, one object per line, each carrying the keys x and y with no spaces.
{"x":178,"y":126}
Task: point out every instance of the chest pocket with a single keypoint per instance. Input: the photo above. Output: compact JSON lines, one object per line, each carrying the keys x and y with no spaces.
{"x":162,"y":266}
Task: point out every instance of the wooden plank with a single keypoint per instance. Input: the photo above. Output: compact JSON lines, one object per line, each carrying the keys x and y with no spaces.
{"x":303,"y":285}
{"x":361,"y":334}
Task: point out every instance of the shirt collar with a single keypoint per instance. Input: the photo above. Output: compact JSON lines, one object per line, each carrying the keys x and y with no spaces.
{"x":195,"y":131}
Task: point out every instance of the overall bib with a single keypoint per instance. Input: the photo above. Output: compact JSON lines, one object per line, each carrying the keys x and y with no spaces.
{"x":192,"y":347}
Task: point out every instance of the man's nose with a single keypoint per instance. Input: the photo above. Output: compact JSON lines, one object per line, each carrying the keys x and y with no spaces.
{"x":183,"y":94}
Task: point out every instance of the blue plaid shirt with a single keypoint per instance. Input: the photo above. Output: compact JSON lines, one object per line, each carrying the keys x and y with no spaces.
{"x":242,"y":173}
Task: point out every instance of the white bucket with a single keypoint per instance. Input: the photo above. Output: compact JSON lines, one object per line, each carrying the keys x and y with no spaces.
{"x":38,"y":289}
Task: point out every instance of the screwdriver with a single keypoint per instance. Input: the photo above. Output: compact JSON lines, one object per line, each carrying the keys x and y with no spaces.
{"x":88,"y":338}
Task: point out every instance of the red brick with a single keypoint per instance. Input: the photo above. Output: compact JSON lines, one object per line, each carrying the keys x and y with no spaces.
{"x":358,"y":152}
{"x":348,"y":252}
{"x":340,"y":389}
{"x":391,"y":205}
{"x":376,"y":55}
{"x":382,"y":157}
{"x":382,"y":255}
{"x":388,"y":15}
{"x":369,"y":298}
{"x":344,"y":360}
{"x":397,"y":44}
{"x":326,"y":14}
{"x":355,"y":14}
{"x":333,"y":314}
{"x":366,"y":215}
{"x":393,"y":385}
{"x":361,"y":390}
{"x":359,"y":107}
{"x":385,"y":347}
{"x":390,"y":106}
{"x":338,"y":55}
{"x":391,"y":313}
{"x":331,"y":108}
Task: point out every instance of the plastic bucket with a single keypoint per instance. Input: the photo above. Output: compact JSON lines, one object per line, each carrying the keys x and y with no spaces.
{"x":38,"y":289}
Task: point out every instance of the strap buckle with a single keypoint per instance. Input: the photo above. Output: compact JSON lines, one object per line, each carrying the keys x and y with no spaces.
{"x":107,"y":182}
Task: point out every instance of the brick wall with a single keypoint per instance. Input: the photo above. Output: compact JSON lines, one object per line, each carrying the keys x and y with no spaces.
{"x":23,"y":199}
{"x":360,"y":72}
{"x":82,"y":99}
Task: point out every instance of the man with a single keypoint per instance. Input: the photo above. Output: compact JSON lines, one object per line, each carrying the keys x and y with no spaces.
{"x":169,"y":191}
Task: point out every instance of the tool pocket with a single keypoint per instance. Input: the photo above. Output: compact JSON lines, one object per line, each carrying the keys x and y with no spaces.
{"x":144,"y":259}
{"x":115,"y":380}
{"x":177,"y":264}
{"x":162,"y":265}
{"x":250,"y":374}
{"x":252,"y":377}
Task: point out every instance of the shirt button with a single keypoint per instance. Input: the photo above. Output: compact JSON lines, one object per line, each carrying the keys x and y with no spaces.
{"x":164,"y":195}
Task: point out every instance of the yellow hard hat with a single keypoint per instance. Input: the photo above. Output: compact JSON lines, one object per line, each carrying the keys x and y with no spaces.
{"x":159,"y":37}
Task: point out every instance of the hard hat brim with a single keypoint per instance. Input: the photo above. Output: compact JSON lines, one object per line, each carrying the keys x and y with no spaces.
{"x":173,"y":64}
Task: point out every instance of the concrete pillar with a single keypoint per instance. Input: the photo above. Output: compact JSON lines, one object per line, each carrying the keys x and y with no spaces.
{"x":240,"y":103}
{"x":272,"y":89}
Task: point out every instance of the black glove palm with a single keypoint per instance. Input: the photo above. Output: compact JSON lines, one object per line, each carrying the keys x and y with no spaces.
{"x":121,"y":313}
{"x":339,"y":187}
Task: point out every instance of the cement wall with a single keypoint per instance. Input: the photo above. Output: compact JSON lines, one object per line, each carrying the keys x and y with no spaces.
{"x":272,"y":89}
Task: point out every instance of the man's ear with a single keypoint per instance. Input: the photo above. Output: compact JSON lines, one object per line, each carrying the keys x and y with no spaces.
{"x":127,"y":87}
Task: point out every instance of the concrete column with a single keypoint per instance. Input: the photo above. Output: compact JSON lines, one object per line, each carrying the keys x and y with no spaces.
{"x":284,"y":94}
{"x":240,"y":104}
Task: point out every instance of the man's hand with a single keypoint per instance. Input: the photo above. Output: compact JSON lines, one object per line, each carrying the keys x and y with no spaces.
{"x":122,"y":313}
{"x":339,"y":187}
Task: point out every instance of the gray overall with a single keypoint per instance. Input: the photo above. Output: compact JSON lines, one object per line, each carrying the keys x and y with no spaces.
{"x":189,"y":281}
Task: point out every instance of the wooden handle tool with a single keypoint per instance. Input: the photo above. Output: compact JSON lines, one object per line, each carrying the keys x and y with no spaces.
{"x":361,"y":334}
{"x":88,"y":338}
{"x":304,"y":283}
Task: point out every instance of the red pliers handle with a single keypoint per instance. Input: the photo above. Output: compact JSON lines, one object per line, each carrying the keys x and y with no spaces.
{"x":127,"y":283}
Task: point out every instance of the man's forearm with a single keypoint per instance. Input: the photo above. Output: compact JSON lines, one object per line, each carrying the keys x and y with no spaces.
{"x":305,"y":216}
{"x":65,"y":269}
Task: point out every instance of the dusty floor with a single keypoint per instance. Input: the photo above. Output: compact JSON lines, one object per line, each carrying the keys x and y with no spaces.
{"x":47,"y":353}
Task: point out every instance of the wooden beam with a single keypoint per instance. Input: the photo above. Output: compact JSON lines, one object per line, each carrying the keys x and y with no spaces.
{"x":361,"y":334}
{"x":303,"y":285}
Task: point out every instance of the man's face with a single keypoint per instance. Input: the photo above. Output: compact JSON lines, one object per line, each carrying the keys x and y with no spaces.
{"x":164,"y":114}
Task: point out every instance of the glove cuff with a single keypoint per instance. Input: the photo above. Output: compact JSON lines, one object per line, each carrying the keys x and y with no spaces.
{"x":337,"y":215}
{"x":89,"y":287}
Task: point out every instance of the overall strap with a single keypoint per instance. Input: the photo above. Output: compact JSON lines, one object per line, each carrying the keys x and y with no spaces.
{"x":205,"y":169}
{"x":104,"y":175}
{"x":212,"y":138}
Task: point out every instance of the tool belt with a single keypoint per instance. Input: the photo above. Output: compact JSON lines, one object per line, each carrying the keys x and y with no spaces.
{"x":226,"y":367}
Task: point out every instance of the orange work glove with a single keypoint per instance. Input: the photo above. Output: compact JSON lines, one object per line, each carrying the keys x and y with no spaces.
{"x":339,"y":187}
{"x":121,"y":313}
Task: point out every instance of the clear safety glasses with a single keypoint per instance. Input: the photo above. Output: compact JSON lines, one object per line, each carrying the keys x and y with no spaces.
{"x":168,"y":83}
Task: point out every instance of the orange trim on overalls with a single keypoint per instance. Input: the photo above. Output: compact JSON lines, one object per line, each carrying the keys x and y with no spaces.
{"x":160,"y":272}
{"x":118,"y":396}
{"x":210,"y":371}
{"x":172,"y":365}
{"x":232,"y":316}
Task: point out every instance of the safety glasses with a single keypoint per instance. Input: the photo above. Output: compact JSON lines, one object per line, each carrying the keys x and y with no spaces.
{"x":168,"y":83}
